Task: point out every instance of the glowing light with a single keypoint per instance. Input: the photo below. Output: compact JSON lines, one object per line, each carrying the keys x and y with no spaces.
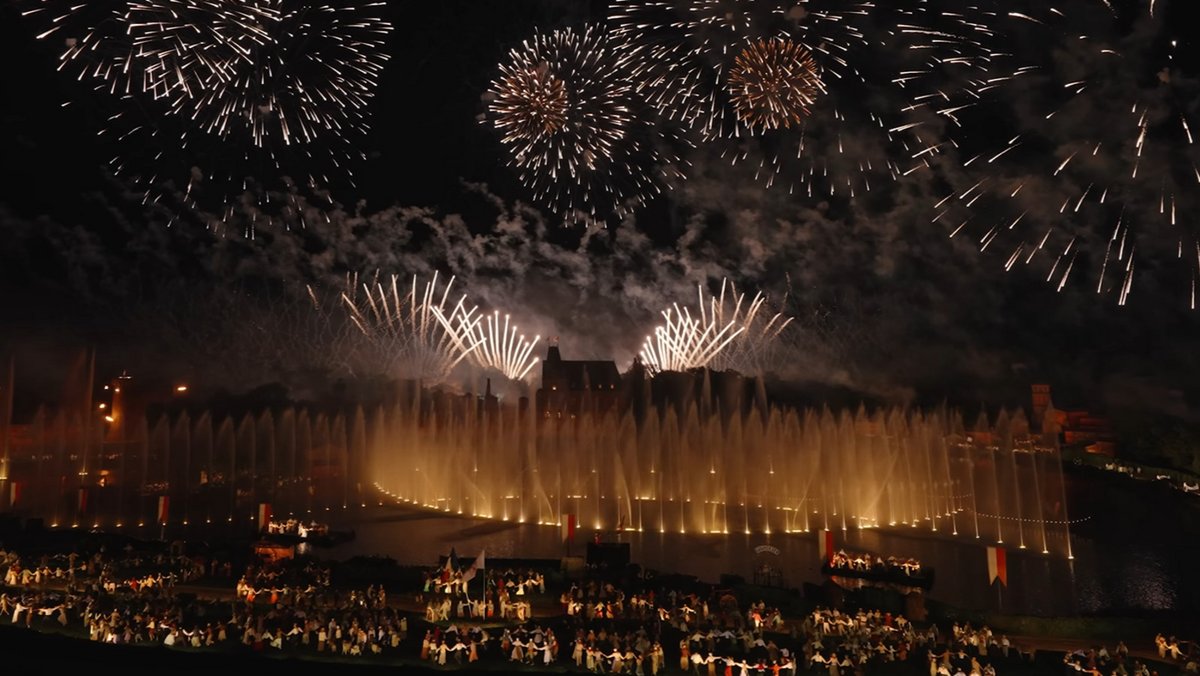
{"x":726,"y":333}
{"x":568,"y":109}
{"x":410,"y":326}
{"x":793,"y":89}
{"x":491,"y":343}
{"x":1109,"y":196}
{"x":773,"y":84}
{"x":236,"y":86}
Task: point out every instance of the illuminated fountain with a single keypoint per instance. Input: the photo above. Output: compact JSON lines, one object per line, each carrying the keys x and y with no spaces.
{"x":209,"y":469}
{"x":705,"y":464}
{"x":692,"y":471}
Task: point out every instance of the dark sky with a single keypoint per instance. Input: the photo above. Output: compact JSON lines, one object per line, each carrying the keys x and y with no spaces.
{"x":885,"y":303}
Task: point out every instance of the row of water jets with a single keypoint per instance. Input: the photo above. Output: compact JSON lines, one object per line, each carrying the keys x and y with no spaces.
{"x":772,"y":471}
{"x":779,"y":470}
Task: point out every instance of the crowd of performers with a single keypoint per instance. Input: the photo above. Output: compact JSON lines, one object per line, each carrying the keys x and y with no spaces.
{"x":117,"y":596}
{"x":125,"y":570}
{"x":448,"y":579}
{"x":1182,"y":652}
{"x":871,"y":563}
{"x":503,"y":594}
{"x":641,"y":624}
{"x":285,"y":577}
{"x":324,"y":620}
{"x":1099,"y":661}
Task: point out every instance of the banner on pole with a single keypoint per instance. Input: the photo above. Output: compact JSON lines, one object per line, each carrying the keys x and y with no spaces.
{"x":476,"y":566}
{"x":264,"y":515}
{"x":164,"y":503}
{"x":997,"y":565}
{"x":825,"y":545}
{"x":568,"y":528}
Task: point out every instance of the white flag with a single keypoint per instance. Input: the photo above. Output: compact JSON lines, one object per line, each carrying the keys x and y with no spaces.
{"x":477,"y":564}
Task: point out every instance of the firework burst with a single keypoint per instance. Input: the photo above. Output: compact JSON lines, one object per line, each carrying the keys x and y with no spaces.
{"x":868,"y":85}
{"x":757,"y":345}
{"x":493,"y":344}
{"x":504,"y":348}
{"x":726,"y":332}
{"x":156,"y":49}
{"x":1109,"y":123}
{"x":566,"y":107}
{"x":309,"y":72}
{"x":534,"y":102}
{"x":212,"y":100}
{"x":683,"y":342}
{"x":773,"y":84}
{"x":407,"y":324}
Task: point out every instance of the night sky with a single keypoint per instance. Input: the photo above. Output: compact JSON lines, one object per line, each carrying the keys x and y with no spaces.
{"x":886,"y":305}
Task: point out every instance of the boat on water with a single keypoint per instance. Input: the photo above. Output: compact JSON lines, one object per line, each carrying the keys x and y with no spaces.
{"x":873,"y":568}
{"x":292,"y":532}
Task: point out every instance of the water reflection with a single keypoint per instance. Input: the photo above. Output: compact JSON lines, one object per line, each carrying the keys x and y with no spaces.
{"x":1038,"y":584}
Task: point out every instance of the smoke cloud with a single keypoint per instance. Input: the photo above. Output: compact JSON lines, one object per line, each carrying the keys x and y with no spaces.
{"x":886,"y":304}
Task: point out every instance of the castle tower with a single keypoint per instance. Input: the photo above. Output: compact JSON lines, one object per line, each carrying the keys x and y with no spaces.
{"x":573,"y":387}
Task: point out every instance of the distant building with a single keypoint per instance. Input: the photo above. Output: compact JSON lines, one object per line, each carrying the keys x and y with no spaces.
{"x":1041,"y":402}
{"x":1077,"y":426}
{"x":573,"y":387}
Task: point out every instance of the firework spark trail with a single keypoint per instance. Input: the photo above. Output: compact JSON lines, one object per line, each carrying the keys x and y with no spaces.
{"x":934,"y":63}
{"x":280,"y":85}
{"x":267,"y":71}
{"x":727,"y":333}
{"x":311,"y":72}
{"x":683,"y":342}
{"x":504,"y":349}
{"x":1117,"y":94}
{"x":410,"y":324}
{"x":579,"y":134}
{"x":756,"y":347}
{"x":152,"y":48}
{"x":491,"y":344}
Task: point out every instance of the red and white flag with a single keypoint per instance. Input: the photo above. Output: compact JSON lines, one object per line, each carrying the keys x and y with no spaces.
{"x":264,"y":515}
{"x":997,"y":565}
{"x":82,"y":504}
{"x":164,"y":505}
{"x":568,"y":528}
{"x":476,"y":566}
{"x":825,"y":545}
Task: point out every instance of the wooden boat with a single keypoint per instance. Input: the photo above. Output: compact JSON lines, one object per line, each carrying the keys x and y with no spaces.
{"x":885,"y":574}
{"x":320,"y":537}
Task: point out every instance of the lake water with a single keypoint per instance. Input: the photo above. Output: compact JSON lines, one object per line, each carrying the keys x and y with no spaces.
{"x":1120,"y":564}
